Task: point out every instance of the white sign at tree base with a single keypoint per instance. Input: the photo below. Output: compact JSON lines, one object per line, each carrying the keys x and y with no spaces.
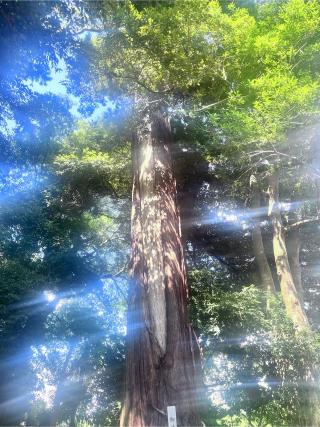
{"x":172,"y":416}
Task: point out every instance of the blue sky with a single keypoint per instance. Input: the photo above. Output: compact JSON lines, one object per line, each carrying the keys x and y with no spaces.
{"x":57,"y":86}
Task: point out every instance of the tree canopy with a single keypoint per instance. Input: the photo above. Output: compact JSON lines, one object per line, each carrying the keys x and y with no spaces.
{"x":201,"y":117}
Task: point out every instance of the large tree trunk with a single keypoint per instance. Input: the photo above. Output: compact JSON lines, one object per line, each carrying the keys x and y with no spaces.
{"x":267,"y":282}
{"x":160,"y":364}
{"x":289,"y":293}
{"x":293,"y":247}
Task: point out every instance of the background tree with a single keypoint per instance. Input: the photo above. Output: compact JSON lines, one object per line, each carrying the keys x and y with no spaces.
{"x":275,"y":92}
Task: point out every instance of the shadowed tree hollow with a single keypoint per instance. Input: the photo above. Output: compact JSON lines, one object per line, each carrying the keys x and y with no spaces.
{"x":267,"y":282}
{"x":160,"y":366}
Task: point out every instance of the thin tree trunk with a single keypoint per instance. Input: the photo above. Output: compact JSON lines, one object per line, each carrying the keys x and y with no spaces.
{"x":267,"y":282}
{"x":289,"y":293}
{"x":160,"y":363}
{"x":293,"y":247}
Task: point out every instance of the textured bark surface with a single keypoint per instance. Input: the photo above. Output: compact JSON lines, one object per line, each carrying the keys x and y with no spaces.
{"x":293,"y":247}
{"x":160,"y":363}
{"x":289,"y":293}
{"x":267,"y":282}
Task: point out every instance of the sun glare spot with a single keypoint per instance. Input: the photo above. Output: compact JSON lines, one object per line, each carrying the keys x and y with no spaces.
{"x":49,"y":296}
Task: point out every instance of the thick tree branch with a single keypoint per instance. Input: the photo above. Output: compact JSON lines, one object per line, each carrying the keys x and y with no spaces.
{"x":206,"y":107}
{"x":89,"y":30}
{"x":302,"y":222}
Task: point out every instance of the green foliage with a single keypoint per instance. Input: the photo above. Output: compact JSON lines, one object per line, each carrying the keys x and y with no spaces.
{"x":267,"y":369}
{"x":212,"y":310}
{"x":168,"y":49}
{"x":79,"y":365}
{"x":257,"y":66}
{"x":97,"y":157}
{"x":62,"y":229}
{"x":277,"y":85}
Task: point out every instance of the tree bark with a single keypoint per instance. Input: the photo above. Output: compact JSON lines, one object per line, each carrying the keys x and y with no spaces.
{"x":293,"y":247}
{"x":267,"y":282}
{"x":289,"y":293}
{"x":160,"y":362}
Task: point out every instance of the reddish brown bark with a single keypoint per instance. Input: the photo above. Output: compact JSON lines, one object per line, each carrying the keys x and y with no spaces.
{"x":160,"y":364}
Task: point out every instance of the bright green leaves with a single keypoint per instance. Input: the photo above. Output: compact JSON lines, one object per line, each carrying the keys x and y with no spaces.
{"x":172,"y":48}
{"x":94,"y":169}
{"x":275,"y":102}
{"x":276,"y":86}
{"x":96,"y":154}
{"x":181,"y":39}
{"x":263,"y":62}
{"x":237,"y":35}
{"x":97,"y":224}
{"x":88,"y":158}
{"x":282,"y":100}
{"x":299,"y":20}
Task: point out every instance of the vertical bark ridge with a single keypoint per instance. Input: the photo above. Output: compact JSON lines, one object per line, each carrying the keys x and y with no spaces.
{"x":293,"y":246}
{"x":160,"y":369}
{"x":289,"y":293}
